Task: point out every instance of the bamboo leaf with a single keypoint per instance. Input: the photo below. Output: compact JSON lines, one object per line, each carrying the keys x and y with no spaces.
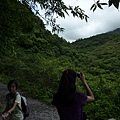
{"x":109,"y":3}
{"x":99,"y":6}
{"x":103,"y":3}
{"x":92,"y":6}
{"x":116,"y":4}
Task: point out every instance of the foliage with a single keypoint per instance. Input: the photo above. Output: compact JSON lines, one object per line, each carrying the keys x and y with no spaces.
{"x":36,"y":58}
{"x":99,"y":5}
{"x":103,"y":63}
{"x":59,"y":8}
{"x":54,"y":9}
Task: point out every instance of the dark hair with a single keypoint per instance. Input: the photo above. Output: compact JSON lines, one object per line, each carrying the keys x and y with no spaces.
{"x":66,"y":90}
{"x":11,"y":82}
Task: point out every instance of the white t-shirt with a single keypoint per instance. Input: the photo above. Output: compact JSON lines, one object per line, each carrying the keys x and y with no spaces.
{"x":16,"y":114}
{"x":18,"y":100}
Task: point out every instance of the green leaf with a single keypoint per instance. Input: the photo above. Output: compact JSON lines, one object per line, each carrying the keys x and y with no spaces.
{"x":103,"y":3}
{"x":99,"y":6}
{"x":92,"y":6}
{"x":109,"y":3}
{"x":116,"y":4}
{"x":98,"y":1}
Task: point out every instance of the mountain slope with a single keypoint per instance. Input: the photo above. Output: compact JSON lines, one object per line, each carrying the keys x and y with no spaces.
{"x":102,"y":48}
{"x":98,"y":40}
{"x":116,"y":31}
{"x":29,"y":52}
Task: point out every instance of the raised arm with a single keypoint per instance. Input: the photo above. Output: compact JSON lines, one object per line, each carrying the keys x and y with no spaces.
{"x":90,"y":96}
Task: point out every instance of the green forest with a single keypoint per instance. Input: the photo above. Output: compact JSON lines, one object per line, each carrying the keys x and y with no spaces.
{"x":35,"y":57}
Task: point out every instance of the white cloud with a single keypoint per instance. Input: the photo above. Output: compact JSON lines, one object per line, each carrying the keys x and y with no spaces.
{"x":99,"y":22}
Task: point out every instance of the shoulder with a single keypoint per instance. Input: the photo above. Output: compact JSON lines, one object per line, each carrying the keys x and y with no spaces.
{"x":18,"y":95}
{"x":18,"y":98}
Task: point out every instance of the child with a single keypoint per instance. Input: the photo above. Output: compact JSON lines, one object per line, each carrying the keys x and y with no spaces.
{"x":13,"y":103}
{"x":67,"y":100}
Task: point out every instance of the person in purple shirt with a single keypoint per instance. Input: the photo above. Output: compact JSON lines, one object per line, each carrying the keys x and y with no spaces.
{"x":67,"y":100}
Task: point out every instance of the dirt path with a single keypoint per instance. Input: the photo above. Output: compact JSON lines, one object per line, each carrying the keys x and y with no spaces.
{"x":38,"y":110}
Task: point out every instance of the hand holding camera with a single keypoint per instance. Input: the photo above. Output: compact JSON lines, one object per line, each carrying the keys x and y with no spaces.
{"x":81,"y":76}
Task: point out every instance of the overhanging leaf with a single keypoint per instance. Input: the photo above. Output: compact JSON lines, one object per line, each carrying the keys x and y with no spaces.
{"x":116,"y":4}
{"x":109,"y":3}
{"x":92,"y":6}
{"x":103,"y":3}
{"x":99,"y":6}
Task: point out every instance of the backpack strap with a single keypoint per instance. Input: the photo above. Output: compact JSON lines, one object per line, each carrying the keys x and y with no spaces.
{"x":8,"y":99}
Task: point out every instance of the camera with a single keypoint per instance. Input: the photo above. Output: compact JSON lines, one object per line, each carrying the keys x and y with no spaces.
{"x":78,"y":75}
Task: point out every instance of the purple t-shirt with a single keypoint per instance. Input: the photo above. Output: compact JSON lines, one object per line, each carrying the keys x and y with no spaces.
{"x":73,"y":112}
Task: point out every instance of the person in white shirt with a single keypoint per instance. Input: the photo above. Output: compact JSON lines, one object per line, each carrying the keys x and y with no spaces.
{"x":13,"y":103}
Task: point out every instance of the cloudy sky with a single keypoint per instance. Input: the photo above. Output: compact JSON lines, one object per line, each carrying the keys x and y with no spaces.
{"x":100,"y":21}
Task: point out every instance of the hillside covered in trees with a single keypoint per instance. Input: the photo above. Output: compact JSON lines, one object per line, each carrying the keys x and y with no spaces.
{"x":35,"y":58}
